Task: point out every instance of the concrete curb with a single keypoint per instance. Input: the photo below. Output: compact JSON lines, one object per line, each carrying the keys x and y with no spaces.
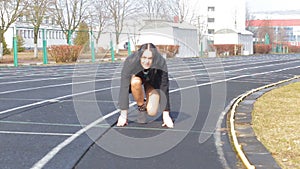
{"x":252,"y":153}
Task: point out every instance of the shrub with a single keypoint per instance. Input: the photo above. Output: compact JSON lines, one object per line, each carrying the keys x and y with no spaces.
{"x":82,"y":36}
{"x":21,"y":43}
{"x":262,"y":48}
{"x":294,"y":49}
{"x":64,"y":53}
{"x":168,"y":50}
{"x":6,"y":51}
{"x":227,"y":49}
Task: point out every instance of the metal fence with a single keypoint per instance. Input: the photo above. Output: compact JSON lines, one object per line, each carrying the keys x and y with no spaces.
{"x":102,"y":48}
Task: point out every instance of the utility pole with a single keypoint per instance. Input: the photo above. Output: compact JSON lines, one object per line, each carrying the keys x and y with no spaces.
{"x":200,"y":27}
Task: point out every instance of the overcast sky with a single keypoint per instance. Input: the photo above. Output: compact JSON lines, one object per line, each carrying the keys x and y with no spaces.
{"x":268,"y":5}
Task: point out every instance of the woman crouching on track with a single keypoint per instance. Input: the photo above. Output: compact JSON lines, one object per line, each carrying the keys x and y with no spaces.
{"x":145,"y":73}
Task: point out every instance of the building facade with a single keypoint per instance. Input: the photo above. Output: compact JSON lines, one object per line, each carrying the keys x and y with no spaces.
{"x":283,"y":31}
{"x":216,"y":15}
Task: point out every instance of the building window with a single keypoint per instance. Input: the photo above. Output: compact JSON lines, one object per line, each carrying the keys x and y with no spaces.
{"x":27,"y":18}
{"x":25,"y":33}
{"x":28,"y":34}
{"x":211,"y":31}
{"x":211,"y":8}
{"x":46,"y":21}
{"x":53,"y":22}
{"x":20,"y":19}
{"x":210,"y":20}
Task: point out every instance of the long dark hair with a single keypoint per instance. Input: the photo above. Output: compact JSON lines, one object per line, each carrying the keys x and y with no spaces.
{"x":148,"y":46}
{"x":158,"y":61}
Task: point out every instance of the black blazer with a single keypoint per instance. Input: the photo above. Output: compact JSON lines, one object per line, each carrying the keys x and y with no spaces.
{"x":158,"y":77}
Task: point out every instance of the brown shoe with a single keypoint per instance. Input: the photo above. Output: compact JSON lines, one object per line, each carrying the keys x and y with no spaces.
{"x":142,"y":114}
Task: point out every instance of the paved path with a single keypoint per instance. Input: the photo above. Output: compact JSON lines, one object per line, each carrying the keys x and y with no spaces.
{"x":64,"y":116}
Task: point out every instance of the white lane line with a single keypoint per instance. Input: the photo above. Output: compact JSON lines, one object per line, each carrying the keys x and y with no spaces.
{"x":35,"y":133}
{"x":54,"y":151}
{"x":163,"y":129}
{"x":48,"y":124}
{"x":63,"y":75}
{"x":41,"y":163}
{"x":44,"y":79}
{"x":188,"y":76}
{"x":65,"y":100}
{"x":56,"y":85}
{"x":57,"y":98}
{"x":233,"y":78}
{"x":238,"y":62}
{"x":236,"y":70}
{"x":207,"y":66}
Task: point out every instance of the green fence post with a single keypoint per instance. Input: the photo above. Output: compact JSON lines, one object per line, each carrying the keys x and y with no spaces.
{"x":69,"y":37}
{"x":15,"y":47}
{"x":128,"y":46}
{"x":112,"y":49}
{"x":92,"y":47}
{"x":267,"y":39}
{"x":45,"y":55}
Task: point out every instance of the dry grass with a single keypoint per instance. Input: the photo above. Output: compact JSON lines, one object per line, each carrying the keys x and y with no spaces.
{"x":28,"y":56}
{"x":24,"y":57}
{"x":276,"y":122}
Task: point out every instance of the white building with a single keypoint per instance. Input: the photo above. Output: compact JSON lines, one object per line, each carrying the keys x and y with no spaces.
{"x":158,"y":32}
{"x":219,"y":14}
{"x":216,"y":15}
{"x":24,"y":29}
{"x":230,"y":36}
{"x":172,"y":33}
{"x":53,"y":34}
{"x":212,"y":15}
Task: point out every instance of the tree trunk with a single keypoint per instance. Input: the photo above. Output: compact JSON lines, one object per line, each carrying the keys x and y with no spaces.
{"x":117,"y":42}
{"x":35,"y":50}
{"x":1,"y":43}
{"x":35,"y":41}
{"x":1,"y":50}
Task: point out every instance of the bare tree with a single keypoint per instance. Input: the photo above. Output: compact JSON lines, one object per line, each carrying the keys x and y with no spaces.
{"x":69,"y":14}
{"x":249,"y":16}
{"x":36,"y":12}
{"x":280,"y":35}
{"x":265,"y":28}
{"x":134,"y":32}
{"x":154,"y":9}
{"x":120,"y":10}
{"x":99,"y":18}
{"x":181,"y":9}
{"x":10,"y":11}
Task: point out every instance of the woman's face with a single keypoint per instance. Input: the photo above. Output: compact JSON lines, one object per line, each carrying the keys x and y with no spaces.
{"x":146,"y":59}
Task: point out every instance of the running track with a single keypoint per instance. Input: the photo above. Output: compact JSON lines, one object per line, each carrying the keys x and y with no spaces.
{"x":64,"y":116}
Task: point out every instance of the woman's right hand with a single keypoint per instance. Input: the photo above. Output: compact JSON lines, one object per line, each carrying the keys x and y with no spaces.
{"x":122,"y":120}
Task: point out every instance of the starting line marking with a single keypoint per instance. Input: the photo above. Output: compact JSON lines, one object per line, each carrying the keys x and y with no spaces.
{"x":36,"y":133}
